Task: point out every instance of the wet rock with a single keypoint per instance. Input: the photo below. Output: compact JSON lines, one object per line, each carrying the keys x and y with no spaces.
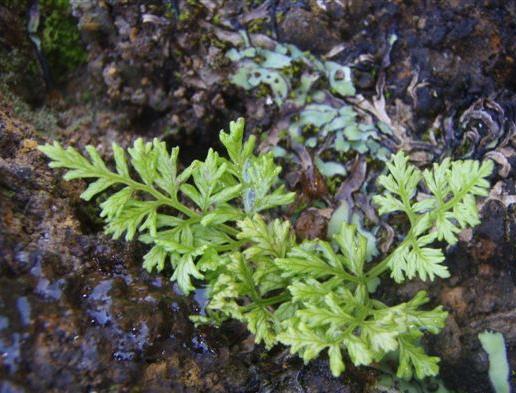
{"x":165,"y":77}
{"x":76,"y":308}
{"x":428,"y":102}
{"x":312,"y":380}
{"x":307,"y":31}
{"x":142,"y":55}
{"x":78,"y":311}
{"x":450,"y":48}
{"x":484,"y":300}
{"x":453,"y":298}
{"x":479,"y":295}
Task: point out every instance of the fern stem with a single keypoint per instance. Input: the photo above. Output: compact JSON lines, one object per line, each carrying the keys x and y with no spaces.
{"x":346,"y":276}
{"x":164,"y":200}
{"x":285,"y":297}
{"x":229,"y":229}
{"x":236,"y":244}
{"x":383,"y":265}
{"x":174,"y":203}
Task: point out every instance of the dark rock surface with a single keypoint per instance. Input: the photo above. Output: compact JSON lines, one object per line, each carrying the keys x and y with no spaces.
{"x":78,"y":313}
{"x":480,"y":295}
{"x":162,"y":64}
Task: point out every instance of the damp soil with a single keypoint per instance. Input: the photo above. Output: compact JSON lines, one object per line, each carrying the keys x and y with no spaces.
{"x":77,"y":311}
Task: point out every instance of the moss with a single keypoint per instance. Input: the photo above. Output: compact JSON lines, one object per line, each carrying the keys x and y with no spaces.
{"x":216,"y":20}
{"x":16,"y":4}
{"x":185,"y":16}
{"x":294,"y":70}
{"x":256,"y":25}
{"x":43,"y":119}
{"x":21,"y":73}
{"x":60,"y":38}
{"x":14,"y":62}
{"x":190,"y":12}
{"x":60,"y":43}
{"x":263,"y":91}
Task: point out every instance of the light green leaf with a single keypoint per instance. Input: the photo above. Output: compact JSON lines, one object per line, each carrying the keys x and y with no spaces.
{"x":330,"y":168}
{"x":143,"y":159}
{"x":155,"y":258}
{"x":303,"y":340}
{"x":336,"y":363}
{"x":340,"y":78}
{"x":95,"y":188}
{"x":184,"y":270}
{"x":353,"y":247}
{"x":413,"y":360}
{"x":358,"y":351}
{"x":260,"y":322}
{"x":499,"y":371}
{"x":113,"y":205}
{"x":221,"y":214}
{"x":120,"y":161}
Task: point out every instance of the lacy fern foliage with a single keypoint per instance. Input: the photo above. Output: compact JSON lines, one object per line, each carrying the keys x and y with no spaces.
{"x":149,"y":187}
{"x":316,"y":296}
{"x":448,"y":209}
